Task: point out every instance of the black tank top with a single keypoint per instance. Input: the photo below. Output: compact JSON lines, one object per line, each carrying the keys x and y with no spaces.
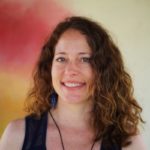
{"x":35,"y":134}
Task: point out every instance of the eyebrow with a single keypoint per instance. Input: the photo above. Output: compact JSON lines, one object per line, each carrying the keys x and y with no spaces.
{"x":84,"y":53}
{"x":63,"y":53}
{"x":80,"y":53}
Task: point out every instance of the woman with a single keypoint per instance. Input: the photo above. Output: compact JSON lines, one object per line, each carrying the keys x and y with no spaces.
{"x":82,"y":98}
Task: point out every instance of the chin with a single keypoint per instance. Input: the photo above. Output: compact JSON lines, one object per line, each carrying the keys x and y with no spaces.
{"x":74,"y":99}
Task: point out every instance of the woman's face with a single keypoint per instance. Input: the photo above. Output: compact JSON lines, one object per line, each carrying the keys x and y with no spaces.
{"x":72,"y":74}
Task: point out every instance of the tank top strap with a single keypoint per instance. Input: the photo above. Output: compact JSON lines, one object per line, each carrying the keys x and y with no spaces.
{"x":35,"y":132}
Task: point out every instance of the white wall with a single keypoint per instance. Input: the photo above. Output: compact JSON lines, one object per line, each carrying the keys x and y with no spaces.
{"x":129,"y":23}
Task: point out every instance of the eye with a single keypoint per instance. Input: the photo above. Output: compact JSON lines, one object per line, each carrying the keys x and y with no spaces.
{"x":60,"y":59}
{"x":86,"y":59}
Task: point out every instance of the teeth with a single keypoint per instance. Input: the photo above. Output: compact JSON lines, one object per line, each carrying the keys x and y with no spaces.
{"x":72,"y":84}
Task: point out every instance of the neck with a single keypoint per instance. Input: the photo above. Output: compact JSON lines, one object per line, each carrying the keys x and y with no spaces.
{"x":73,"y":115}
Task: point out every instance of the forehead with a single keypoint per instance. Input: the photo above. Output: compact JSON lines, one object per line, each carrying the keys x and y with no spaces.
{"x":73,"y":40}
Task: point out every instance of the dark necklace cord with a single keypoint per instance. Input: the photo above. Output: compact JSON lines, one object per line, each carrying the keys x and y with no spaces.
{"x":62,"y":143}
{"x":58,"y":130}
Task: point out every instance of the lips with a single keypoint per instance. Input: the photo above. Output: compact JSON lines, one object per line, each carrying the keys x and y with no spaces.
{"x":73,"y":84}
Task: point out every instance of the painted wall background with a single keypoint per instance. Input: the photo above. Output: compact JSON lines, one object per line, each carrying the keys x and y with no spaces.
{"x":25,"y":24}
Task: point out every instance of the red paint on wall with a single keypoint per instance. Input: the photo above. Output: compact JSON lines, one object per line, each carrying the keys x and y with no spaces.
{"x":23,"y":29}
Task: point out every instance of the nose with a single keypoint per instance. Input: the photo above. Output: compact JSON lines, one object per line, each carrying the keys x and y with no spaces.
{"x":71,"y":69}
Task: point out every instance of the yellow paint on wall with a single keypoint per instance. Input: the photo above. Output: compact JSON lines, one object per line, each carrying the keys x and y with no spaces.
{"x":13,"y":90}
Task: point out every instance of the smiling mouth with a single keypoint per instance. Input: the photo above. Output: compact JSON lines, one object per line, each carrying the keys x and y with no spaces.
{"x":73,"y":84}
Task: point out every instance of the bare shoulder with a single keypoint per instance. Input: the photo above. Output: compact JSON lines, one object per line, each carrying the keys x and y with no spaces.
{"x":13,"y":135}
{"x":137,"y":143}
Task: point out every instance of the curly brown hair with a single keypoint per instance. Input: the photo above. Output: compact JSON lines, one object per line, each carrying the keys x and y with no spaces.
{"x":116,"y":113}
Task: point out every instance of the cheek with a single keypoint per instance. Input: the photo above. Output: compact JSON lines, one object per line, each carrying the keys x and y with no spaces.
{"x":54,"y":75}
{"x":56,"y":72}
{"x":90,"y":74}
{"x":90,"y":78}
